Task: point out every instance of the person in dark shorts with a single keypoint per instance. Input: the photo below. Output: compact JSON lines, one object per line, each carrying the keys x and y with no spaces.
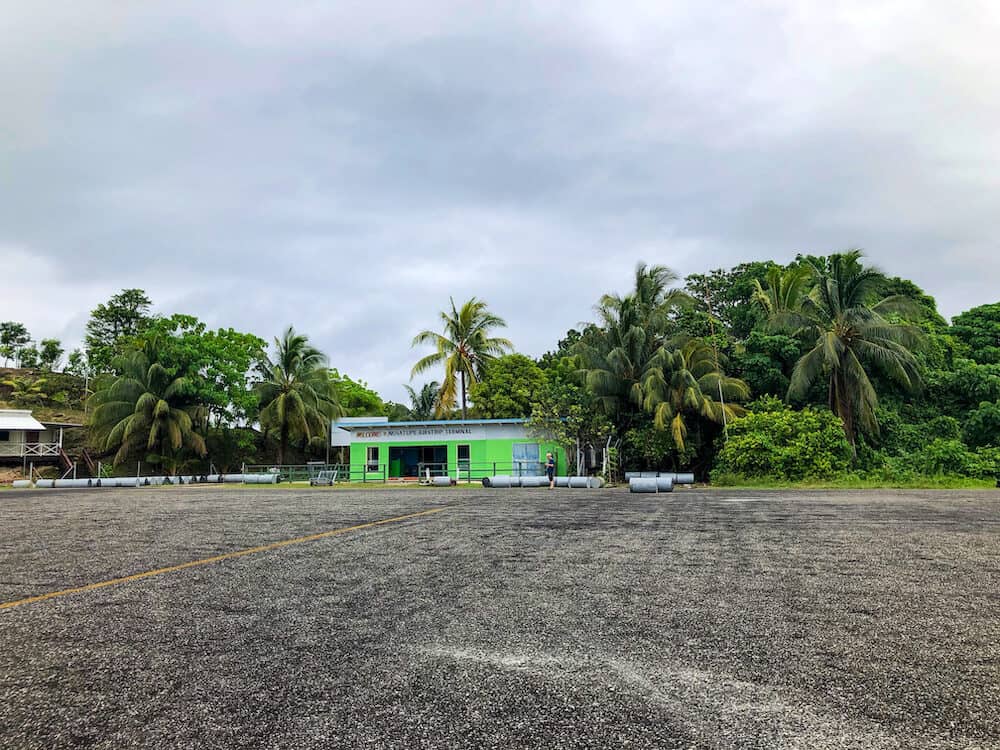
{"x":550,"y":469}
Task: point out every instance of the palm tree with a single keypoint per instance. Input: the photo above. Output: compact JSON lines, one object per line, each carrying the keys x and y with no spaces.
{"x":616,"y":357}
{"x":784,"y":291}
{"x":686,"y":381}
{"x":423,"y":403}
{"x":844,"y":316}
{"x":144,"y":408}
{"x":463,"y":348}
{"x":296,"y":396}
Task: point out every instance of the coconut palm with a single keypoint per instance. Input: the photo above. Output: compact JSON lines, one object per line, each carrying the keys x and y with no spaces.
{"x":297,"y":399}
{"x":845,"y":317}
{"x":689,"y":381}
{"x":784,"y":291}
{"x":423,"y":403}
{"x":463,"y":348}
{"x":617,"y":355}
{"x":145,"y":408}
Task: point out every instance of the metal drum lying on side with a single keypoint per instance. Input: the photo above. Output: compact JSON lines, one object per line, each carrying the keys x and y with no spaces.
{"x":257,"y":478}
{"x":45,"y":483}
{"x":686,"y":478}
{"x":441,"y":481}
{"x":62,"y":484}
{"x":22,"y":484}
{"x":643,"y":484}
{"x":665,"y":484}
{"x":562,"y":481}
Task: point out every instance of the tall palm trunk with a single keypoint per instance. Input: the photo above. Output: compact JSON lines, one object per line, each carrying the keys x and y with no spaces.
{"x":282,"y":444}
{"x":463,"y":393}
{"x":840,"y":405}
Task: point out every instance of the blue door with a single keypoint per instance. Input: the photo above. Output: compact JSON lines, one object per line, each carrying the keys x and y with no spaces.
{"x":526,"y":462}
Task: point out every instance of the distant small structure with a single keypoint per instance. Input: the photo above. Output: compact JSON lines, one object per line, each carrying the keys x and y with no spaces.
{"x":24,"y":438}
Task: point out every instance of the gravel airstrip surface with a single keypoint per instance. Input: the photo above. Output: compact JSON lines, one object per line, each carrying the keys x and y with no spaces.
{"x":511,"y":618}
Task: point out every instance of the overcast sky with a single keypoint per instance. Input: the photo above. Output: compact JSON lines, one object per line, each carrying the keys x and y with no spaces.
{"x":345,"y":167}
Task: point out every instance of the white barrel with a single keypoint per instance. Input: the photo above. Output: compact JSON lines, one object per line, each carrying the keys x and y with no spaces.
{"x":665,"y":484}
{"x":22,"y":484}
{"x":562,"y":481}
{"x":501,"y":481}
{"x":260,"y":478}
{"x":534,"y":481}
{"x":62,"y":484}
{"x":45,"y":483}
{"x":441,"y":481}
{"x":642,"y":484}
{"x":121,"y":482}
{"x":232,"y":478}
{"x":648,"y":474}
{"x":595,"y":483}
{"x":632,"y":475}
{"x":579,"y":482}
{"x":687,"y":478}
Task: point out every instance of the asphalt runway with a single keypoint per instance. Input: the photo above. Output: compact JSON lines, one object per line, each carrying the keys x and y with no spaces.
{"x":468,"y":618}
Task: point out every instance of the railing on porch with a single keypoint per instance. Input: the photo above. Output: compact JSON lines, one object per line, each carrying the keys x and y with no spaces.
{"x":21,"y":450}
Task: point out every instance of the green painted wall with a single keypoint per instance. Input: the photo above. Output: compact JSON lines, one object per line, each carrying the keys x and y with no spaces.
{"x":482,"y":454}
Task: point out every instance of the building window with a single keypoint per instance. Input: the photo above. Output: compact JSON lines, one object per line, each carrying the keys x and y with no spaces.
{"x":372,"y":458}
{"x":463,"y":458}
{"x":4,"y":436}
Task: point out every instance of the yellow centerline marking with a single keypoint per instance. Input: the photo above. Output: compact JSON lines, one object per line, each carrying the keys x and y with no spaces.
{"x":217,"y":558}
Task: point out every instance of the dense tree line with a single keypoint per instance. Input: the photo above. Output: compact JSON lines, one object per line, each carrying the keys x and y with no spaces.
{"x":818,"y":369}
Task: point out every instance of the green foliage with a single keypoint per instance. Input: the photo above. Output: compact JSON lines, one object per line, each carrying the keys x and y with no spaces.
{"x":124,"y":316}
{"x":14,"y":337}
{"x":982,"y":426}
{"x":979,"y":330}
{"x":142,"y":412}
{"x":951,"y":457}
{"x":509,"y":387}
{"x":423,"y":403}
{"x":464,"y":348}
{"x":957,"y":391}
{"x":785,"y":445}
{"x":297,"y":397}
{"x":355,"y":398}
{"x":567,"y":413}
{"x":654,"y":449}
{"x":765,"y":362}
{"x":215,"y":363}
{"x":690,"y":382}
{"x":26,"y":391}
{"x":848,"y":320}
{"x":729,"y":294}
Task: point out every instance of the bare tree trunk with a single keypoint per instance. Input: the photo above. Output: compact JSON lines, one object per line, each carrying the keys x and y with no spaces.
{"x":282,"y":443}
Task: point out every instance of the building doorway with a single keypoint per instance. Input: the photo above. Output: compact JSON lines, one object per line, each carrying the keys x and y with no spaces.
{"x":413,"y":460}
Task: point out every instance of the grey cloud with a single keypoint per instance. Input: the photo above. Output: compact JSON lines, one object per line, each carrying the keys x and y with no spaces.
{"x":347,"y":170}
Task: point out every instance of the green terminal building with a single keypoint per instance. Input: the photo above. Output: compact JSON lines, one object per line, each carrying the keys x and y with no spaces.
{"x":463,"y":449}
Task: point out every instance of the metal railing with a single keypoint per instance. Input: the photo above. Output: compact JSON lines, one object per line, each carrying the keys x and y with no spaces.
{"x":462,"y":471}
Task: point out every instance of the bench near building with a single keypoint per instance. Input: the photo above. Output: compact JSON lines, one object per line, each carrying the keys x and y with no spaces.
{"x":461,"y":449}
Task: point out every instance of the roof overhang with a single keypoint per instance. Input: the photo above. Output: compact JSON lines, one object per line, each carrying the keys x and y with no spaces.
{"x":19,"y":419}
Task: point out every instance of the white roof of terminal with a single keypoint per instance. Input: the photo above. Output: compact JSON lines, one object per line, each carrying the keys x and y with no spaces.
{"x":19,"y":419}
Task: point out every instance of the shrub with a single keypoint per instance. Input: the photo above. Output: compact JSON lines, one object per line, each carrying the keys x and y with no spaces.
{"x":786,"y":445}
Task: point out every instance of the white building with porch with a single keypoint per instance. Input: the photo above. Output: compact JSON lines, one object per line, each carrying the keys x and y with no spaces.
{"x":24,"y":437}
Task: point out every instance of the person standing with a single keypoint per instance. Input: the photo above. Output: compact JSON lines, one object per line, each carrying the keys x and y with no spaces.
{"x":550,"y":469}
